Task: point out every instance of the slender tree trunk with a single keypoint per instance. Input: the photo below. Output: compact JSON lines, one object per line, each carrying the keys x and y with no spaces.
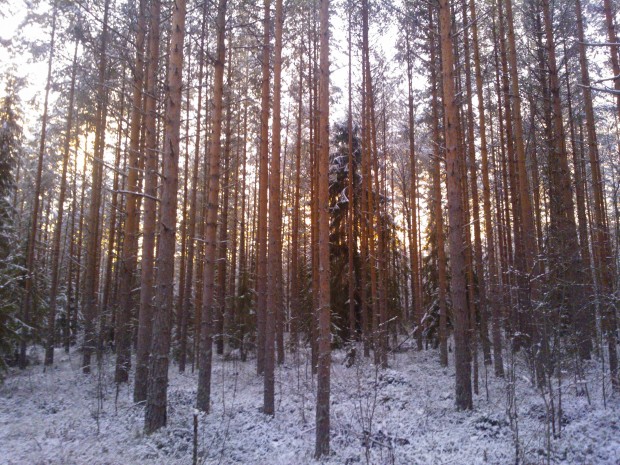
{"x":563,"y":231}
{"x":155,"y":415}
{"x":232,"y":325}
{"x":588,"y":330}
{"x":261,"y":273}
{"x":72,"y":300}
{"x":473,"y":172}
{"x":206,"y":331}
{"x":493,"y":289}
{"x":416,"y":289}
{"x":91,"y":272}
{"x":314,"y":223}
{"x":274,"y":273}
{"x":79,"y":276}
{"x":243,"y":274}
{"x":351,"y":245}
{"x":150,"y":209}
{"x":193,"y":206}
{"x":324,"y":339}
{"x":526,"y":212}
{"x":220,"y":316}
{"x":372,"y":210}
{"x":27,"y":302}
{"x":316,"y":270}
{"x":612,"y":38}
{"x":437,"y":207}
{"x":602,"y":239}
{"x":512,"y":260}
{"x":295,"y":245}
{"x":51,"y":317}
{"x":184,"y":221}
{"x":108,"y":305}
{"x":222,"y":324}
{"x":458,"y":287}
{"x":276,"y":190}
{"x":200,"y":249}
{"x":365,"y":232}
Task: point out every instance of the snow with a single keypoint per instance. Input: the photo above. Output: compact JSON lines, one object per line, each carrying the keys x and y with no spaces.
{"x":401,"y":415}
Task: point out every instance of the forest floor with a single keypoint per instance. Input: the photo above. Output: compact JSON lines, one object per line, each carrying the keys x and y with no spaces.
{"x":401,"y":415}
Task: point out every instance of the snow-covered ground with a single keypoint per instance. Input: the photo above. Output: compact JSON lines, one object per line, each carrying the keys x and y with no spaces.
{"x":401,"y":415}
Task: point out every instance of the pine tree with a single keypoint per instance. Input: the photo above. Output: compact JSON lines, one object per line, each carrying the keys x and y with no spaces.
{"x":11,"y":257}
{"x":155,"y":415}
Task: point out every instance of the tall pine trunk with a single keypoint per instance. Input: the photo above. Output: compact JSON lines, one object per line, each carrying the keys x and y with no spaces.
{"x":274,"y":273}
{"x":324,"y":311}
{"x":129,"y":253}
{"x":206,"y":331}
{"x":93,"y":244}
{"x":155,"y":415}
{"x":455,"y":213}
{"x":151,"y":164}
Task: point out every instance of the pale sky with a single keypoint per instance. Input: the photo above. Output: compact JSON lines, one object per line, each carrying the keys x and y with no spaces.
{"x":13,"y":14}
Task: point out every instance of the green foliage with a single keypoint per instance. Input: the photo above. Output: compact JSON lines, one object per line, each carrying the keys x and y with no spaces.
{"x":11,"y":255}
{"x":340,"y":201}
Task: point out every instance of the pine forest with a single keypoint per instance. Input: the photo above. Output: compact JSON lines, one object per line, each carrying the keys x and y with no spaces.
{"x":309,"y":231}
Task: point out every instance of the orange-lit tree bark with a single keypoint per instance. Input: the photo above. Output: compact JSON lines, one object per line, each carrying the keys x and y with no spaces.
{"x":203,"y":398}
{"x":436,"y":182}
{"x":183,"y":229}
{"x":274,"y":273}
{"x":464,"y":147}
{"x":93,"y":244}
{"x":295,"y":298}
{"x":150,"y":208}
{"x":155,"y":415}
{"x":366,"y":308}
{"x":129,"y":254}
{"x":612,"y":39}
{"x":107,"y":306}
{"x":530,"y":267}
{"x":312,"y":236}
{"x":479,"y":324}
{"x":381,"y":343}
{"x":455,"y":213}
{"x":416,"y":289}
{"x":372,"y":207}
{"x":232,"y":323}
{"x":193,"y":206}
{"x":565,"y":259}
{"x":243,"y":285}
{"x":263,"y":174}
{"x":493,"y":289}
{"x":220,"y":315}
{"x":314,"y":78}
{"x":201,"y":215}
{"x":497,"y":161}
{"x":276,"y":193}
{"x":514,"y":252}
{"x":601,"y":237}
{"x":324,"y":317}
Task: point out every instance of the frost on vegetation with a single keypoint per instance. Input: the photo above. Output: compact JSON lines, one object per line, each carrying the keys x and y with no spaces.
{"x":401,"y":415}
